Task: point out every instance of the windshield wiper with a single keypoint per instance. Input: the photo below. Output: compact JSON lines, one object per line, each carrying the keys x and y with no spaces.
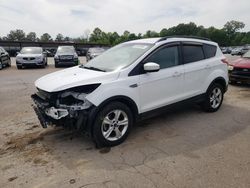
{"x":92,"y":68}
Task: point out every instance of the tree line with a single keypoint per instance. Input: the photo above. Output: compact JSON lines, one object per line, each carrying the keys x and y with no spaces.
{"x":229,"y":35}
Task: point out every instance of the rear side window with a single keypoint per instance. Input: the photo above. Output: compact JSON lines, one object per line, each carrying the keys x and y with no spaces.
{"x":209,"y":50}
{"x":192,"y":53}
{"x":165,"y":57}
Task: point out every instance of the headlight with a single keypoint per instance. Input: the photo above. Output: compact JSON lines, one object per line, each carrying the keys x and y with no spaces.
{"x":40,"y":58}
{"x":56,"y":57}
{"x":75,"y":56}
{"x":230,"y":67}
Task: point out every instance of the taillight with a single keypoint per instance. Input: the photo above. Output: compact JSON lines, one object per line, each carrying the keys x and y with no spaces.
{"x":225,"y":61}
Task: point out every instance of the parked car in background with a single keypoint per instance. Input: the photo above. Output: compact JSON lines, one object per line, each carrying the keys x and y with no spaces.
{"x":4,"y":58}
{"x":244,"y":50}
{"x":106,"y":96}
{"x":94,"y":52}
{"x":50,"y":52}
{"x":66,"y":56}
{"x":31,"y":56}
{"x":239,"y":70}
{"x":236,"y":51}
{"x":239,"y":50}
{"x":226,"y":50}
{"x":81,"y":51}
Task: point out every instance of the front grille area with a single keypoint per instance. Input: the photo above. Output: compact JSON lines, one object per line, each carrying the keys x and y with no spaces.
{"x":66,"y":57}
{"x":241,"y":72}
{"x":28,"y":58}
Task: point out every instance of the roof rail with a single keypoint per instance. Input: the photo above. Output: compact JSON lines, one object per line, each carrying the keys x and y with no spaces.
{"x":183,"y":36}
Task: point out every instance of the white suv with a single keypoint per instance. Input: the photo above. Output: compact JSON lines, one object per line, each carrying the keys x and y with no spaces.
{"x":106,"y":96}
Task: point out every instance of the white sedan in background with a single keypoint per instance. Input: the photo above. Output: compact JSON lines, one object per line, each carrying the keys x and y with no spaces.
{"x":31,"y":56}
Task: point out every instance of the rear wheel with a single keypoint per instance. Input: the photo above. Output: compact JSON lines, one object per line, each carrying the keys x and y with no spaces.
{"x":112,"y":125}
{"x":214,"y":98}
{"x":43,"y":65}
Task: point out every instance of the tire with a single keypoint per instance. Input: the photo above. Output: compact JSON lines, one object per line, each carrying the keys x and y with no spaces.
{"x":9,"y":63}
{"x":107,"y":122}
{"x":1,"y":65}
{"x":19,"y":67}
{"x":213,"y":98}
{"x":56,"y":65}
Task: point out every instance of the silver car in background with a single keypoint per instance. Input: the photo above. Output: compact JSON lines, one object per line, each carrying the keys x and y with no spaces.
{"x":94,"y":52}
{"x":31,"y":56}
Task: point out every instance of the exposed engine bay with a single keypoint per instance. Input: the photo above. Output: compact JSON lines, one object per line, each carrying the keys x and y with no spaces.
{"x":64,"y":108}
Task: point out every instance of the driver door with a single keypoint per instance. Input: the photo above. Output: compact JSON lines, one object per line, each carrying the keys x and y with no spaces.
{"x":164,"y":87}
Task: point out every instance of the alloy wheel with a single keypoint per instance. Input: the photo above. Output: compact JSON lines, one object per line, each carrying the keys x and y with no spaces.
{"x":115,"y":125}
{"x":215,"y":97}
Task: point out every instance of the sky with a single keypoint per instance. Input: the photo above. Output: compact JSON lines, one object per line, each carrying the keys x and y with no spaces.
{"x":75,"y":18}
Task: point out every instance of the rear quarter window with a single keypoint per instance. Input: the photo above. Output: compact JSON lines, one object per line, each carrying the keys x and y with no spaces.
{"x":192,"y":53}
{"x":209,"y":50}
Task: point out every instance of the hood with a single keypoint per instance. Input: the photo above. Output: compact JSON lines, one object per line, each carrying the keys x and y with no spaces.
{"x":241,"y":63}
{"x":29,"y":55}
{"x":73,"y":77}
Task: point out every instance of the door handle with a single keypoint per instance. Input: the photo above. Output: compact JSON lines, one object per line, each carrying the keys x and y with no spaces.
{"x":176,"y":74}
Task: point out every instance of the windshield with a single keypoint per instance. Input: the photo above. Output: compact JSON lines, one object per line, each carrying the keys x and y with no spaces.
{"x":118,"y":57}
{"x":33,"y":50}
{"x":247,"y":54}
{"x":66,"y":49}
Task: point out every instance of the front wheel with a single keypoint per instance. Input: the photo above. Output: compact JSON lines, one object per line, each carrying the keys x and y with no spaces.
{"x":1,"y":65}
{"x":112,"y":125}
{"x":213,"y":98}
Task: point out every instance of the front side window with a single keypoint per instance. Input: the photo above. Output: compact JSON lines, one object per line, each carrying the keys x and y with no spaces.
{"x":165,"y":57}
{"x":192,"y":53}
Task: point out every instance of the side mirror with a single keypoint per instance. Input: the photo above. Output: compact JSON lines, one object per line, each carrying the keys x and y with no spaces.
{"x":151,"y":67}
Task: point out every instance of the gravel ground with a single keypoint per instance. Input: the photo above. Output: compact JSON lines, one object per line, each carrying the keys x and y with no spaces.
{"x":183,"y":148}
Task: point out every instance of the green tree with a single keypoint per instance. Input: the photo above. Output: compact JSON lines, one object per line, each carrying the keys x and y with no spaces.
{"x":31,"y":36}
{"x":233,"y":26}
{"x":163,"y":32}
{"x":59,"y":37}
{"x":46,"y":38}
{"x":16,"y":35}
{"x":96,"y":35}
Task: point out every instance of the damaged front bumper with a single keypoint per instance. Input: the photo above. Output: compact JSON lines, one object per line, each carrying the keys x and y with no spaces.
{"x":61,"y":109}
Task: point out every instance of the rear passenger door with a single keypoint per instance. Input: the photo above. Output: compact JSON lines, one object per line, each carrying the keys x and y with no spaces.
{"x":198,"y":64}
